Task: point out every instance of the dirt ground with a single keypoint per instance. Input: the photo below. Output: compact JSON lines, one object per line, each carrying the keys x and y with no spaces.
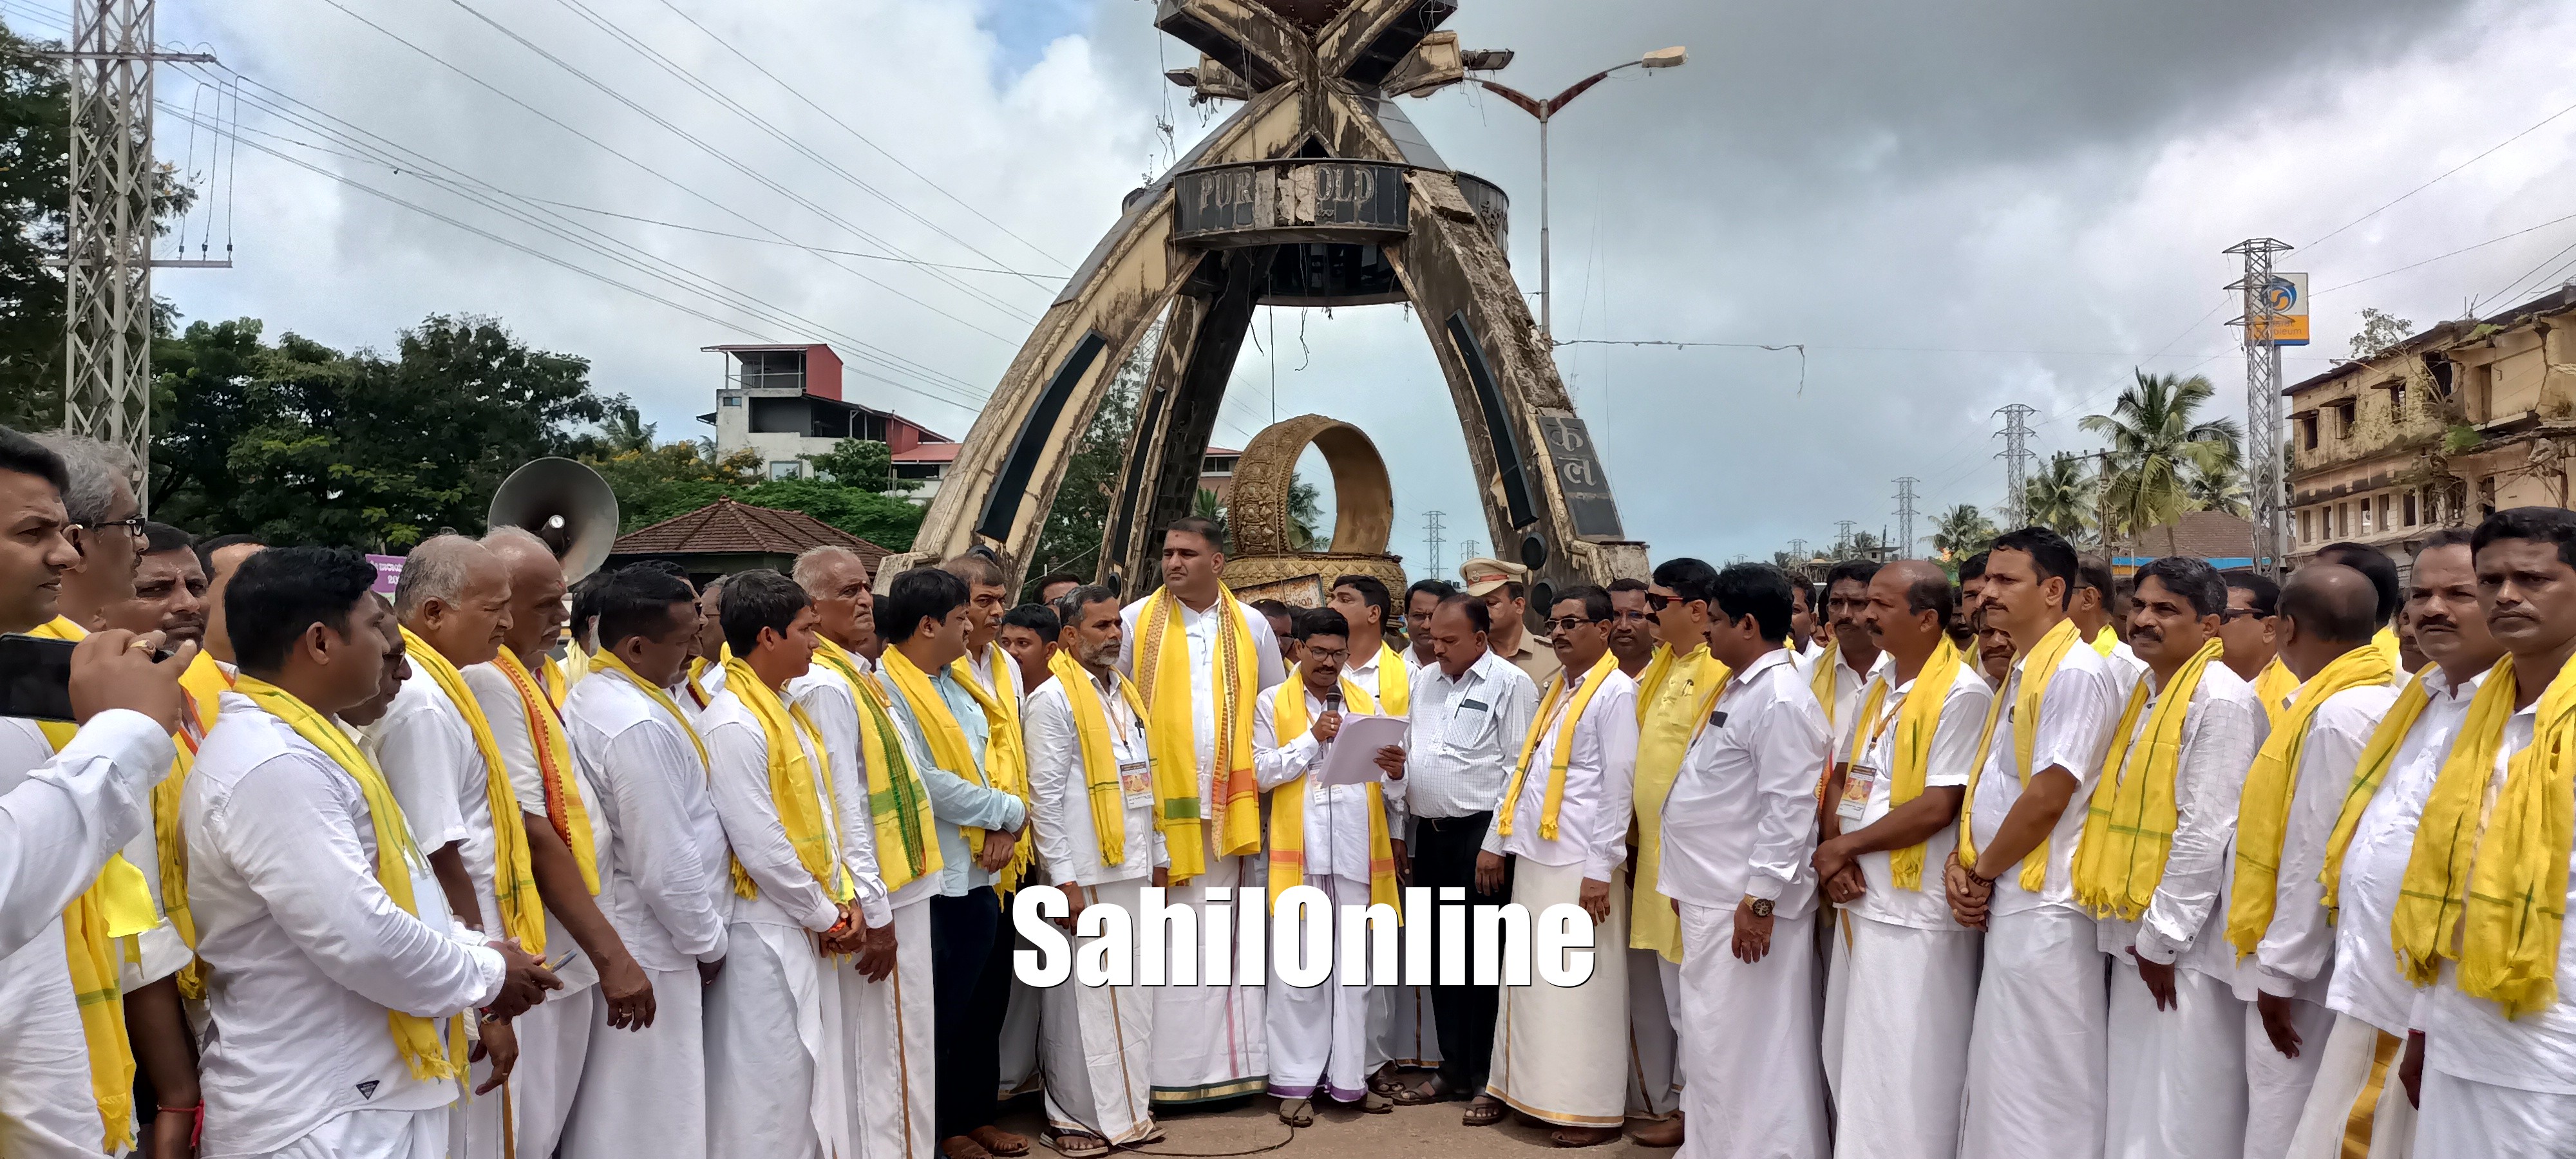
{"x":1252,"y":1125}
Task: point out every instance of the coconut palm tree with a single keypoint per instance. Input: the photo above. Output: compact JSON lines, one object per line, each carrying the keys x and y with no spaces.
{"x":1961,"y":531}
{"x":2060,"y":497}
{"x":2218,"y":491}
{"x":2157,"y":443}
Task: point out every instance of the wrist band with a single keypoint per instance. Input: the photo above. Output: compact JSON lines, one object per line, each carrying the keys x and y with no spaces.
{"x":197,"y":1127}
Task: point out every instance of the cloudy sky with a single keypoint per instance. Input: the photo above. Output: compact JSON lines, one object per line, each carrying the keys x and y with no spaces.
{"x":1953,"y":207}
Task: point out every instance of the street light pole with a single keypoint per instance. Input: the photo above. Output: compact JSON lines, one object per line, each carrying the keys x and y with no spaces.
{"x":1546,"y":111}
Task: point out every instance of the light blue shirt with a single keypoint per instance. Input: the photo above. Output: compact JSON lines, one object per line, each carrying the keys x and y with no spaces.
{"x":959,"y":797}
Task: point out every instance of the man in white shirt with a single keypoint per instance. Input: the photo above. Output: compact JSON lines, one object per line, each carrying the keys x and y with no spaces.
{"x":310,"y":951}
{"x":1420,"y":601}
{"x":1096,"y":1043}
{"x":663,"y":868}
{"x":221,"y":556}
{"x":2039,"y":1045}
{"x":2094,"y":614}
{"x":1211,"y":1040}
{"x":1903,"y":987}
{"x":886,"y":989}
{"x":777,"y":1074}
{"x":996,"y":671}
{"x":2177,"y":1077}
{"x":558,"y":808}
{"x":2327,"y":622}
{"x":1471,"y":711}
{"x":2492,"y":1084}
{"x":1739,"y":833}
{"x":1400,"y":1030}
{"x":1560,"y":1051}
{"x":2355,"y":1098}
{"x":1850,"y":655}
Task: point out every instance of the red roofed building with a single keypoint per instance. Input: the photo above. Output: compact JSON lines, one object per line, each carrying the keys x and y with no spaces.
{"x":728,"y":536}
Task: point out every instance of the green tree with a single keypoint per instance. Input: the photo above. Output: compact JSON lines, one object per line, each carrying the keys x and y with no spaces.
{"x":2379,"y":331}
{"x":1079,"y":518}
{"x":2157,"y":443}
{"x":1961,"y":531}
{"x":2221,"y":491}
{"x":1207,"y":505}
{"x":672,"y":479}
{"x":864,"y":463}
{"x":884,"y":520}
{"x":2060,"y":497}
{"x":1305,"y":514}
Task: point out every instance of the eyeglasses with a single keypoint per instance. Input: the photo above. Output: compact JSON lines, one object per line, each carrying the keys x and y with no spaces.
{"x":1569,"y":623}
{"x":1327,"y":655}
{"x":1624,"y":616}
{"x":133,"y":526}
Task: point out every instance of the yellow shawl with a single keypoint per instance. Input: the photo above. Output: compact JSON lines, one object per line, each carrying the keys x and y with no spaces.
{"x":1394,"y":687}
{"x":2129,"y":826}
{"x":948,"y":746}
{"x":564,"y":807}
{"x":2263,"y":812}
{"x":2274,"y":684}
{"x":1162,"y":663}
{"x":1821,"y":681}
{"x":1669,"y":717}
{"x":898,"y":802}
{"x":1563,"y":752}
{"x":1100,"y":782}
{"x":1006,"y":758}
{"x":2103,"y":642}
{"x":2366,"y":776}
{"x":1916,"y":722}
{"x":2038,"y":667}
{"x":1288,"y":801}
{"x":514,"y":883}
{"x":791,"y":784}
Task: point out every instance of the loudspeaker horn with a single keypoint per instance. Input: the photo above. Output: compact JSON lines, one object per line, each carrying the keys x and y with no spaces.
{"x":563,"y":503}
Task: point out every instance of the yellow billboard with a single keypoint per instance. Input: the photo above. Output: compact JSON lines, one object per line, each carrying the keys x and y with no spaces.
{"x":2286,"y":296}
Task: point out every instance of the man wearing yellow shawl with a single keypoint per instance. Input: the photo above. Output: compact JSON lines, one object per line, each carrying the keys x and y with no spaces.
{"x":665,"y":884}
{"x":2150,"y":868}
{"x":2039,"y":1045}
{"x":559,"y":811}
{"x":1636,"y":631}
{"x":1343,"y":840}
{"x":2483,"y":913}
{"x":1844,"y":668}
{"x":971,"y":772}
{"x":1739,"y":835}
{"x":2356,"y":1102}
{"x":1200,"y":658}
{"x":892,"y":856}
{"x":778,"y":1078}
{"x":2094,"y":610}
{"x":1400,"y":1029}
{"x":1903,"y":983}
{"x":338,"y":969}
{"x":2277,"y":921}
{"x":2249,"y":631}
{"x":1560,"y":1052}
{"x":1093,"y":815}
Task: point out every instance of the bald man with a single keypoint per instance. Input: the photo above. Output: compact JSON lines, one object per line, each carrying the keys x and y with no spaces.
{"x":2291,"y":799}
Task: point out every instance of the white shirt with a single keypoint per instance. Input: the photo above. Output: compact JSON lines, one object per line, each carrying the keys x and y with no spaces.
{"x":430,"y":759}
{"x":1336,"y":821}
{"x":1204,"y":632}
{"x":2076,"y":715}
{"x":517,"y":741}
{"x":62,"y":814}
{"x":2186,"y":920}
{"x":2296,"y":956}
{"x":1060,"y":789}
{"x":308,"y":951}
{"x":1849,"y":684}
{"x":2469,"y":1037}
{"x":2366,"y":984}
{"x":1954,"y":752}
{"x":664,"y":882}
{"x":829,"y":702}
{"x":1600,"y":775}
{"x":1741,"y":818}
{"x":739,"y":752}
{"x":1365,"y":672}
{"x":1464,"y":736}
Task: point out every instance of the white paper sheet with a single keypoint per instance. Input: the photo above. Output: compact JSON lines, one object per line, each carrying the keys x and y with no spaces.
{"x":1352,"y":759}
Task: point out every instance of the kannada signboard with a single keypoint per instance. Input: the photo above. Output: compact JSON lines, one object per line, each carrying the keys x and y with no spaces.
{"x":1579,"y":477}
{"x":388,"y":573}
{"x":2287,"y":297}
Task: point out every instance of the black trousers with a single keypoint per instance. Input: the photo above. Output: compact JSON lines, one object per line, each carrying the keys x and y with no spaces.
{"x":970,"y":972}
{"x":1444,"y":855}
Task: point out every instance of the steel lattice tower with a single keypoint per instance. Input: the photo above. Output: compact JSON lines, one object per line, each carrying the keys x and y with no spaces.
{"x":1905,"y":517}
{"x":2016,"y":456}
{"x":1431,"y":539}
{"x":2266,"y":484}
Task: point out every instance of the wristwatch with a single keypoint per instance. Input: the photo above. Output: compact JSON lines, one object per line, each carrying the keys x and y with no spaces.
{"x":1762,"y":907}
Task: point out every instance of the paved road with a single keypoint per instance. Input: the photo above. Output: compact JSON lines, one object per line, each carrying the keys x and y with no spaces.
{"x":1342,"y":1132}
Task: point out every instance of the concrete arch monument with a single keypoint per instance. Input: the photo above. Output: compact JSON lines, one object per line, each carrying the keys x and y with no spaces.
{"x":1264,"y":562}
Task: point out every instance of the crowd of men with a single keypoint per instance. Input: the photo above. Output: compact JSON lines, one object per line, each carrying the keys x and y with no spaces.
{"x":2040,"y":862}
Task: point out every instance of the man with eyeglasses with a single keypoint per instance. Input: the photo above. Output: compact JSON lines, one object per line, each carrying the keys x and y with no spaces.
{"x":1632,"y":627}
{"x":1563,"y":822}
{"x":2249,"y":630}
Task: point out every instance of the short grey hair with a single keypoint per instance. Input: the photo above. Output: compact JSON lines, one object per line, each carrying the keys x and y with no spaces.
{"x":810,"y":563}
{"x":94,"y":469}
{"x":507,"y":535}
{"x":435,"y":570}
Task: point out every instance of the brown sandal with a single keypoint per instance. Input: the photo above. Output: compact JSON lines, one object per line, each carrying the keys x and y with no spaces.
{"x":1484,"y":1112}
{"x":1431,"y":1090}
{"x":1583,"y":1136}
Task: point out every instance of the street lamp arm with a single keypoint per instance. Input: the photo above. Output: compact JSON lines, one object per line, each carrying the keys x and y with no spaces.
{"x":1577,"y":89}
{"x":1525,"y":102}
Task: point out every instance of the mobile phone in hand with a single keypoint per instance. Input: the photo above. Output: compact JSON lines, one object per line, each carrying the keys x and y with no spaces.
{"x":36,"y":677}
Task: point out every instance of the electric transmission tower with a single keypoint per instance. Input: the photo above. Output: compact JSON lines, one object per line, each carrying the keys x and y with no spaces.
{"x":1466,"y":549}
{"x":2264,"y":483}
{"x":1905,"y":518}
{"x":1431,"y":538}
{"x":2017,"y":456}
{"x":1842,"y":538}
{"x":107,"y":275}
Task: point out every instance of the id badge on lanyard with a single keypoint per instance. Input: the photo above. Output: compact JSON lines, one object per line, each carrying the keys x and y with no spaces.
{"x":1859,"y":780}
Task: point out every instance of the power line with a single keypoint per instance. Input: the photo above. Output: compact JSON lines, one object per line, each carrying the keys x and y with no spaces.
{"x":2449,"y":254}
{"x":2445,"y":173}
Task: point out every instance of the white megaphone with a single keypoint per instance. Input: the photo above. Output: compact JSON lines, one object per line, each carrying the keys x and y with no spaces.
{"x":563,"y":503}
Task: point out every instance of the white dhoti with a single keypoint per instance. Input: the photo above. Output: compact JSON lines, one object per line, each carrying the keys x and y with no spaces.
{"x":1210,"y":1039}
{"x":776,"y":1083}
{"x":1019,"y":1048}
{"x":1400,"y":1028}
{"x":1898,"y":1006}
{"x":644,"y":1092}
{"x":2356,"y":1106}
{"x":1094,"y":1044}
{"x":554,"y":1042}
{"x":1560,"y":1052}
{"x":2039,"y":1052}
{"x":46,"y":1106}
{"x":1319,"y":1035}
{"x":2466,"y":1119}
{"x":365,"y":1134}
{"x":2177,"y":1076}
{"x":1757,"y":1088}
{"x":894,"y":1050}
{"x":1653,"y":1048}
{"x":2276,"y":1087}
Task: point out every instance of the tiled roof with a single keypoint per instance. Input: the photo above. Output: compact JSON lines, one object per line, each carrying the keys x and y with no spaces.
{"x":727,"y":527}
{"x":2198,"y":534}
{"x":930,"y":453}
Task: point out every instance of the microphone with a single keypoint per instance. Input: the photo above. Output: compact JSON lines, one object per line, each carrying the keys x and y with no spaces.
{"x":1333,"y":701}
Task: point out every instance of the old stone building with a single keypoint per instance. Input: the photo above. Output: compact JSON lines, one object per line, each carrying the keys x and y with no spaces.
{"x":2436,"y":431}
